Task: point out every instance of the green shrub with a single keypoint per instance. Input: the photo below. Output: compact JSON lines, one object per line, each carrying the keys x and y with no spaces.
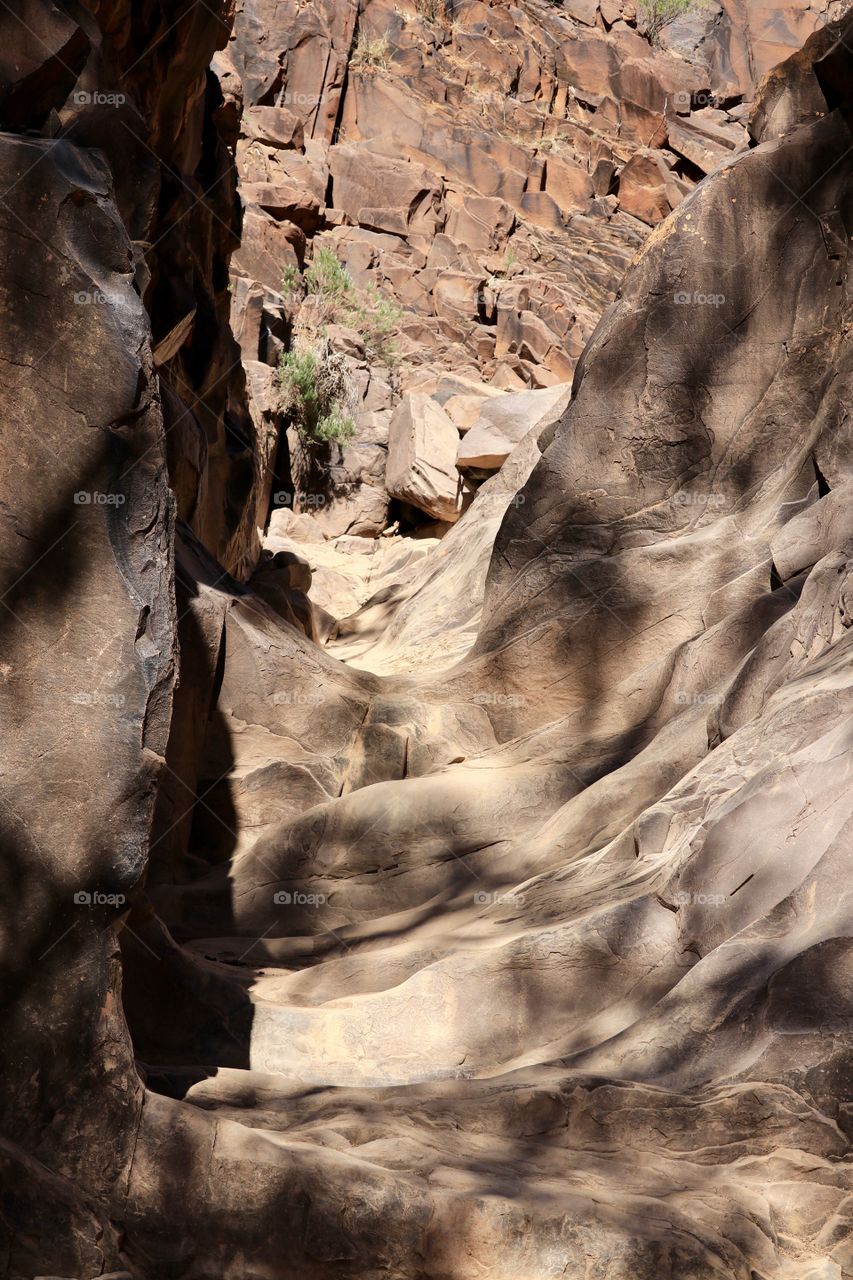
{"x":290,"y":279}
{"x":335,"y":427}
{"x":658,"y":14}
{"x":375,"y":318}
{"x":315,"y":385}
{"x":326,"y":276}
{"x":315,"y":392}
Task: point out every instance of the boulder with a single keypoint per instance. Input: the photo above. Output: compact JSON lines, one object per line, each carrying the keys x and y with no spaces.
{"x":646,"y":188}
{"x":568,"y":184}
{"x":274,"y":126}
{"x":479,"y":222}
{"x":421,"y":467}
{"x":458,"y":296}
{"x":706,"y":138}
{"x":504,"y":421}
{"x":365,"y":183}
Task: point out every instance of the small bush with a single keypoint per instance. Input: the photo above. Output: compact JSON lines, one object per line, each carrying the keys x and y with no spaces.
{"x":315,"y":392}
{"x":335,"y":427}
{"x":290,"y":279}
{"x":376,"y":319}
{"x":315,"y":385}
{"x":327,"y":278}
{"x":338,"y":300}
{"x":433,"y":11}
{"x":371,"y":54}
{"x":656,"y":15}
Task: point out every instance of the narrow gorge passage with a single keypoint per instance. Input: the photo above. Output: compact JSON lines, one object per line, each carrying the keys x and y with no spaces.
{"x":480,"y":953}
{"x":427,"y":558}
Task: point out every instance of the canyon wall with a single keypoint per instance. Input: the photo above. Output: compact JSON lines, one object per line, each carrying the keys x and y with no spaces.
{"x":528,"y":956}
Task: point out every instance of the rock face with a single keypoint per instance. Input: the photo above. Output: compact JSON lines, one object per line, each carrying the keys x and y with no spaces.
{"x":518,"y":943}
{"x":491,"y":169}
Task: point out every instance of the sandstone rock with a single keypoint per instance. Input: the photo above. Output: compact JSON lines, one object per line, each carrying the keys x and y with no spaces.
{"x":523,"y":333}
{"x":286,"y":203}
{"x":276,"y":126}
{"x":89,"y":664}
{"x":542,"y":209}
{"x":525,"y":949}
{"x":503,"y":422}
{"x":421,"y":466}
{"x":479,"y":222}
{"x":702,"y":141}
{"x":458,"y":296}
{"x":568,"y":184}
{"x":363,"y":181}
{"x":644,"y":188}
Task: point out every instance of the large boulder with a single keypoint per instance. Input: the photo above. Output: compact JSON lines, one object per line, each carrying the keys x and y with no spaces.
{"x":504,"y":421}
{"x":421,"y":466}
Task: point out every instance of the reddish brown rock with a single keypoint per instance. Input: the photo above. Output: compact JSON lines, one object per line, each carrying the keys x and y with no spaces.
{"x":568,"y":184}
{"x":644,"y":188}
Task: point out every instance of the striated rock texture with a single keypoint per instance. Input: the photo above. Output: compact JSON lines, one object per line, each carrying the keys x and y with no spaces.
{"x":529,"y":958}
